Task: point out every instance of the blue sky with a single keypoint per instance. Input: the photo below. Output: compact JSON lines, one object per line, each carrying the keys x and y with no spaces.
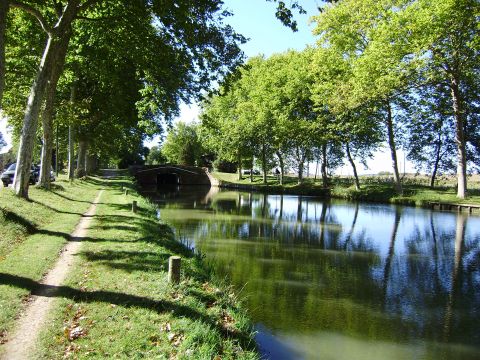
{"x":255,"y":19}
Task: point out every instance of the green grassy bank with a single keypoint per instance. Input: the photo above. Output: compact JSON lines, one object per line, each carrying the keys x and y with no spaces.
{"x":373,"y":189}
{"x":116,"y":301}
{"x":31,"y":237}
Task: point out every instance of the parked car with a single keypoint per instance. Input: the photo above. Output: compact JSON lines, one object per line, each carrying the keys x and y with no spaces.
{"x":247,"y":172}
{"x":7,"y":175}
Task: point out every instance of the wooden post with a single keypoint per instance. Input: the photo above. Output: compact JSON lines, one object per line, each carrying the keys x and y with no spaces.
{"x":134,"y":206}
{"x":174,"y":263}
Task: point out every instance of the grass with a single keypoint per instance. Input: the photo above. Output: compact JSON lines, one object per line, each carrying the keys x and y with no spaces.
{"x":32,"y":235}
{"x":116,"y":301}
{"x":290,"y":184}
{"x":373,"y":188}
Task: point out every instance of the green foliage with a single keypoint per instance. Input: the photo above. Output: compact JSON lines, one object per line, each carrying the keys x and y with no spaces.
{"x":182,"y":145}
{"x":155,"y":156}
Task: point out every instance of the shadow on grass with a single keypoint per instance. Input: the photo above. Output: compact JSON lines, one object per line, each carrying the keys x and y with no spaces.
{"x":70,"y":199}
{"x":130,"y":260}
{"x":54,"y":209}
{"x":119,"y":299}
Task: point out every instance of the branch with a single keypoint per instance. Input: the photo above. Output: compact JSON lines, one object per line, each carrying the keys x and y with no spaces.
{"x":32,"y":11}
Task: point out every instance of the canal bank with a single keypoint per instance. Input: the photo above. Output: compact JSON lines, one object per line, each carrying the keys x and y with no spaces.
{"x":116,"y":301}
{"x":443,"y":198}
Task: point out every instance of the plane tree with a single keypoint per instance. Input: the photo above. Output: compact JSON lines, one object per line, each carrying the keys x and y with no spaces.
{"x":194,"y":30}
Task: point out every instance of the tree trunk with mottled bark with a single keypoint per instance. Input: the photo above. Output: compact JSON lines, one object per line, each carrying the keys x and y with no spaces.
{"x":58,"y":38}
{"x":437,"y":161}
{"x":239,"y":159}
{"x":324,"y":165}
{"x":282,"y":166}
{"x":71,"y":153}
{"x":91,"y":163}
{"x":48,"y":111}
{"x":393,"y":150}
{"x":264,"y":163}
{"x":352,"y":163}
{"x":81,"y":160}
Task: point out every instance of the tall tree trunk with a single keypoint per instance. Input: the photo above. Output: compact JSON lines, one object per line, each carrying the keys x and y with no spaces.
{"x":239,"y":159}
{"x":393,"y":149}
{"x":324,"y":165}
{"x":71,"y":141}
{"x":352,"y":163}
{"x":437,"y":161}
{"x":57,"y":160}
{"x":459,"y":137}
{"x":30,"y":122}
{"x":251,"y":171}
{"x":264,"y":163}
{"x":301,"y":163}
{"x":56,"y":40}
{"x":48,"y":111}
{"x":316,"y":170}
{"x":81,"y":160}
{"x":282,"y":166}
{"x":71,"y":153}
{"x":3,"y":26}
{"x":91,"y":163}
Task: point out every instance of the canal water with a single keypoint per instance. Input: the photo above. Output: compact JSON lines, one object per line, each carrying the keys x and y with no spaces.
{"x":340,"y":280}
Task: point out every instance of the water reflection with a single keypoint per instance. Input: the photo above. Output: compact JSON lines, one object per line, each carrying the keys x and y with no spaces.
{"x":380,"y":281}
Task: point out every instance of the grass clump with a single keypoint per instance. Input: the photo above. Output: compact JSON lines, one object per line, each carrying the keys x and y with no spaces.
{"x":117,"y":302}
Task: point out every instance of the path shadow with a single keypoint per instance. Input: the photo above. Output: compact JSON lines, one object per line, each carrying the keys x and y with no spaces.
{"x":119,"y":299}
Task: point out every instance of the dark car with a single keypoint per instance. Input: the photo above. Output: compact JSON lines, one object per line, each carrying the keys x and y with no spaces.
{"x":7,"y":176}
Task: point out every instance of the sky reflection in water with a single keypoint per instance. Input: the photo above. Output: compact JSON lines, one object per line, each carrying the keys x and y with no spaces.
{"x":340,"y":280}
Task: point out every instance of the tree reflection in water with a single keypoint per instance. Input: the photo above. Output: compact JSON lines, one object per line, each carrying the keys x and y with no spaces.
{"x":404,"y":280}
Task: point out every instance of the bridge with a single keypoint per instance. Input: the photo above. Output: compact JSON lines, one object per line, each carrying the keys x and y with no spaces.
{"x":158,"y":176}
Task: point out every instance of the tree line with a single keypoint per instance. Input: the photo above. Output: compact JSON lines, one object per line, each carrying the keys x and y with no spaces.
{"x":102,"y":75}
{"x":399,"y":72}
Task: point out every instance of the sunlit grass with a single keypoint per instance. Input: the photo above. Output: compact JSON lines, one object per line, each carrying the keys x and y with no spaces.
{"x":119,"y":297}
{"x":32,"y":234}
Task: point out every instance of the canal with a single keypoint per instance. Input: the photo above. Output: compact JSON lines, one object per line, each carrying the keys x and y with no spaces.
{"x":340,"y":280}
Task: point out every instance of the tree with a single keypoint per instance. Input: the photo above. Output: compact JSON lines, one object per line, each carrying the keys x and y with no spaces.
{"x":155,"y":156}
{"x":225,"y":128}
{"x":354,"y":35}
{"x":391,"y":43}
{"x":182,"y":145}
{"x":193,"y":30}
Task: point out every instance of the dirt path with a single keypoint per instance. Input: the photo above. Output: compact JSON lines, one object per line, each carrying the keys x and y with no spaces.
{"x":21,"y":344}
